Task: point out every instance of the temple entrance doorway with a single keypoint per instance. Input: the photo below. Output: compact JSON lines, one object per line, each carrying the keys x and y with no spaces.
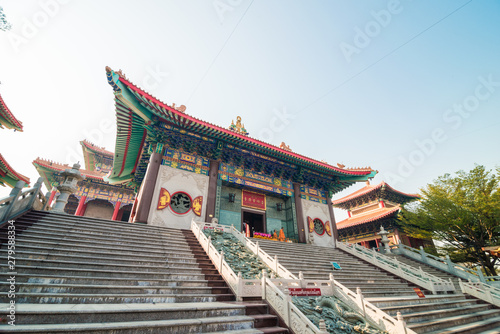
{"x":255,"y":221}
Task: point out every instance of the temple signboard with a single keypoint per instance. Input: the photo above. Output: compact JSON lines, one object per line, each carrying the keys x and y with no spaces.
{"x":253,"y":200}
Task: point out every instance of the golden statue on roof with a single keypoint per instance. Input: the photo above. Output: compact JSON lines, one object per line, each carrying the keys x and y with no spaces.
{"x":285,"y":147}
{"x":181,"y":108}
{"x":239,"y":127}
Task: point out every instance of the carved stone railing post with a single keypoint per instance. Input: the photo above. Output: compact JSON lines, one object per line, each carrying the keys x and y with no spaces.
{"x":276,"y":263}
{"x":36,"y":190}
{"x":257,"y":248}
{"x":423,"y":254}
{"x":451,"y":265}
{"x":209,"y":241}
{"x":480,"y":274}
{"x":221,"y":259}
{"x":264,"y":277}
{"x":332,"y":283}
{"x":401,"y":324}
{"x":361,"y":301}
{"x":239,"y":289}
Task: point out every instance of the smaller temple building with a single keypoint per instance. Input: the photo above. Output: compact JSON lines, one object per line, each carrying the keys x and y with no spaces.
{"x":371,"y":207}
{"x":94,"y":196}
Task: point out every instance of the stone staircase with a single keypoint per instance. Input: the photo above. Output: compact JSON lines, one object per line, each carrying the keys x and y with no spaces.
{"x":428,"y":269}
{"x":79,"y":274}
{"x":434,"y":314}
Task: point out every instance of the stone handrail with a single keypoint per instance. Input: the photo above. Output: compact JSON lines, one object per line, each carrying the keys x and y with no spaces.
{"x":445,"y":265}
{"x":271,"y":262}
{"x":291,"y":315}
{"x":217,"y":259}
{"x":376,"y":315}
{"x":274,"y":290}
{"x":392,"y":265}
{"x":482,"y":291}
{"x":19,"y":201}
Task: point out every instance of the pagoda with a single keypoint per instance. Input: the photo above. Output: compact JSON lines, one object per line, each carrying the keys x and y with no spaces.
{"x":185,"y":168}
{"x":8,"y":175}
{"x":94,"y":197}
{"x":371,"y":207}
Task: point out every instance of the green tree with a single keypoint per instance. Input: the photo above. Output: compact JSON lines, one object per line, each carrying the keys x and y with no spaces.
{"x":4,"y":25}
{"x":463,"y":212}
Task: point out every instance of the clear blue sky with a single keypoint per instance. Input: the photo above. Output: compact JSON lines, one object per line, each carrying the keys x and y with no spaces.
{"x":410,"y":88}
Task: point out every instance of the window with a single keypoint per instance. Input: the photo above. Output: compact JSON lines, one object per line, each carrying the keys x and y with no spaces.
{"x":319,"y":227}
{"x":180,"y":203}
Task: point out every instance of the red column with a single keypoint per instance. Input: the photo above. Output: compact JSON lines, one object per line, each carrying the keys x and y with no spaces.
{"x":381,"y":204}
{"x":81,"y":206}
{"x":52,"y":195}
{"x":117,"y":209}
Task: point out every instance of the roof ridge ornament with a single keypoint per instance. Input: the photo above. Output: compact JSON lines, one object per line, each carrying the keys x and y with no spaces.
{"x":285,"y":147}
{"x":239,"y":127}
{"x":181,"y":108}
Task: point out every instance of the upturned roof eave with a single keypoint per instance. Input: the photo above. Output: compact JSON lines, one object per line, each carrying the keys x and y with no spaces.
{"x":13,"y":122}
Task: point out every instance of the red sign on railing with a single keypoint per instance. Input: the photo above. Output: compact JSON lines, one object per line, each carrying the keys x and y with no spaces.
{"x":253,"y":200}
{"x":299,"y":292}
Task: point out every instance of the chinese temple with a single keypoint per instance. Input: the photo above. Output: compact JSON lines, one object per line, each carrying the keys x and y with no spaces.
{"x":371,"y":207}
{"x":94,"y":196}
{"x":185,"y":168}
{"x":8,"y":176}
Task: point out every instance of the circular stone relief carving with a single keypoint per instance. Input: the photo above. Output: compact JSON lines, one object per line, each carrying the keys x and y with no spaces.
{"x":319,"y":227}
{"x":180,"y":203}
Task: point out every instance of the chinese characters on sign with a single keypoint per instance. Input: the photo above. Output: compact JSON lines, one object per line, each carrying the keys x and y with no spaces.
{"x":253,"y":200}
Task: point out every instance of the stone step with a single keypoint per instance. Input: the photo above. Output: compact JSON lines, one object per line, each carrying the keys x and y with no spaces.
{"x":46,"y":242}
{"x":86,"y":313}
{"x":320,"y":271}
{"x":380,"y":288}
{"x":181,"y":326}
{"x":91,"y":280}
{"x":490,"y":326}
{"x":100,"y":239}
{"x":100,"y":252}
{"x":415,"y":300}
{"x":58,"y":227}
{"x":443,"y":323}
{"x":105,"y":272}
{"x":110,"y":289}
{"x":165,"y":268}
{"x":405,"y":309}
{"x":387,"y":293}
{"x":53,"y":217}
{"x":89,"y":298}
{"x":38,"y":241}
{"x":421,"y":316}
{"x":125,"y":226}
{"x":101,"y":258}
{"x":264,"y":320}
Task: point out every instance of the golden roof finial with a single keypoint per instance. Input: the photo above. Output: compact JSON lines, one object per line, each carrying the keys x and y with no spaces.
{"x":239,"y":127}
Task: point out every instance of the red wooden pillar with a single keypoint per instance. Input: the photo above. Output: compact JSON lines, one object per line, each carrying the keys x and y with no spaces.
{"x":52,"y":195}
{"x":80,"y":210}
{"x":117,"y":209}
